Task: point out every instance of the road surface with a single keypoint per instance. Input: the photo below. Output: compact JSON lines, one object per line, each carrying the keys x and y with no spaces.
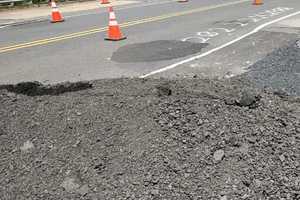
{"x":190,"y":138}
{"x":159,"y":35}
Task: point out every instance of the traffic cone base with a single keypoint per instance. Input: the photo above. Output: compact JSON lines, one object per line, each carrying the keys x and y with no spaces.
{"x":62,"y":20}
{"x":105,"y":2}
{"x":118,"y":39}
{"x":114,"y":34}
{"x":56,"y":17}
{"x":257,"y":2}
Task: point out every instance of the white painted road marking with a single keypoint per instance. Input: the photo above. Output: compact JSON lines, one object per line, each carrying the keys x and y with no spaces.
{"x":220,"y":47}
{"x":203,"y":37}
{"x":298,"y":44}
{"x":223,"y":29}
{"x":4,"y":26}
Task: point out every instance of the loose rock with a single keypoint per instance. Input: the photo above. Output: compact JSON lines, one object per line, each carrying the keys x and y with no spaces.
{"x":248,"y":99}
{"x":28,"y":145}
{"x":163,"y":90}
{"x":219,"y":155}
{"x":70,"y":185}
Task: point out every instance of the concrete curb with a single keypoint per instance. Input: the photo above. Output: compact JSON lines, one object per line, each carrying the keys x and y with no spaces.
{"x":15,"y":22}
{"x":21,"y":22}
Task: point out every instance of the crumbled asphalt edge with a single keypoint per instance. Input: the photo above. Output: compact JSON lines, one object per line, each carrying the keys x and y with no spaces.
{"x":125,"y":139}
{"x":279,"y":70}
{"x":38,"y":89}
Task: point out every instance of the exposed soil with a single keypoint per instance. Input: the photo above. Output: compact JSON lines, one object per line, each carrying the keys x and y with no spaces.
{"x":151,"y":139}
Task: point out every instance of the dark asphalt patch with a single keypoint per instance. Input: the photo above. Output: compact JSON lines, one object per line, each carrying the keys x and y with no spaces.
{"x":38,"y":89}
{"x":156,"y":51}
{"x":280,"y":70}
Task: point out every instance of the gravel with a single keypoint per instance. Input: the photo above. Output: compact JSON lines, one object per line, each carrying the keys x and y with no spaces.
{"x":280,"y":70}
{"x":218,"y":155}
{"x":150,"y":139}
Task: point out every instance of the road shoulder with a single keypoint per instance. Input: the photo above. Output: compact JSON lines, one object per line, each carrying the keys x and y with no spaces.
{"x":36,"y":14}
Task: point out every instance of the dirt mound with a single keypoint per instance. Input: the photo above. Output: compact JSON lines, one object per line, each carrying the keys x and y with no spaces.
{"x":151,"y":139}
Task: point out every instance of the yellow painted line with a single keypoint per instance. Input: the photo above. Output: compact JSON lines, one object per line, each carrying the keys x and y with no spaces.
{"x":126,"y":24}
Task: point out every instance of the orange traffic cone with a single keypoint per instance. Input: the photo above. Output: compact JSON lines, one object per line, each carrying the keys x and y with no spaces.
{"x":114,"y":32}
{"x":56,"y":16}
{"x":182,"y":1}
{"x":257,"y":2}
{"x":105,"y":2}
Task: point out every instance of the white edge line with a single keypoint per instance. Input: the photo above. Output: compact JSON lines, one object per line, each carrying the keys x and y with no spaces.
{"x":218,"y":48}
{"x":4,"y":26}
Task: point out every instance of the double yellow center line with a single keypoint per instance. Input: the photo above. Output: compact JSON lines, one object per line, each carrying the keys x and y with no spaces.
{"x":123,"y":25}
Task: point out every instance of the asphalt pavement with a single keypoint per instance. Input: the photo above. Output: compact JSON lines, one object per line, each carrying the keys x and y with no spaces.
{"x":158,"y":35}
{"x":198,"y":121}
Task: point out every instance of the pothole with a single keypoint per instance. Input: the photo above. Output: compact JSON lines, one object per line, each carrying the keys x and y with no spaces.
{"x":156,"y":51}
